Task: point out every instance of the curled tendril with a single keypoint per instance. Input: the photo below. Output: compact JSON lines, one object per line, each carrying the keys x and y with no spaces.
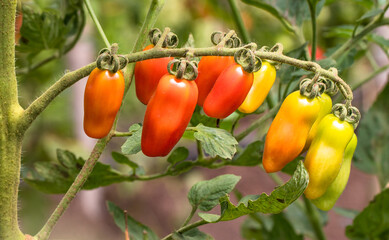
{"x":311,"y":89}
{"x":331,"y":88}
{"x":183,"y":69}
{"x":170,"y":41}
{"x":231,"y":42}
{"x":346,"y":113}
{"x":247,"y":59}
{"x":109,"y":60}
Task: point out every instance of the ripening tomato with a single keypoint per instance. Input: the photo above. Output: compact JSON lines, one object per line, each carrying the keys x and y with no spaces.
{"x":325,"y":155}
{"x":210,"y":67}
{"x":229,"y":92}
{"x":147,"y":75}
{"x":329,"y":198}
{"x":167,"y":115}
{"x":263,"y":81}
{"x":289,"y":130}
{"x":102,"y":99}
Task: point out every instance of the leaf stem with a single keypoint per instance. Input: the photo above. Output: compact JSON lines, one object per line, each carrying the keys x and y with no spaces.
{"x":239,"y":21}
{"x":81,"y":178}
{"x":186,"y":228}
{"x":314,"y":219}
{"x":192,"y":212}
{"x":257,"y":123}
{"x":97,"y":23}
{"x":371,"y":76}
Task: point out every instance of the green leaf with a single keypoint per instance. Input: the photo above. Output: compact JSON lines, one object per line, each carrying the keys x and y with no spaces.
{"x":178,"y":155}
{"x":380,"y":40}
{"x":198,"y":117}
{"x":263,"y":227}
{"x":193,"y":234}
{"x":121,"y":159}
{"x":51,"y":28}
{"x":205,"y":194}
{"x":300,"y":220}
{"x":291,"y":166}
{"x":278,"y":200}
{"x":132,"y":144}
{"x":136,"y":229}
{"x":56,"y":177}
{"x":215,"y":141}
{"x":373,"y":221}
{"x":370,"y":14}
{"x":250,"y":156}
{"x":270,"y":9}
{"x":286,"y":71}
{"x":372,"y":152}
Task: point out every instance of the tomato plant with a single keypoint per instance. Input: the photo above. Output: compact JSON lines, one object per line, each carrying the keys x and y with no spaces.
{"x":163,"y":144}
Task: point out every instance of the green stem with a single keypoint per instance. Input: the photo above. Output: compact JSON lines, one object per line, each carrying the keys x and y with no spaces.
{"x":10,"y":136}
{"x":186,"y":228}
{"x":313,"y":216}
{"x":97,"y":23}
{"x":122,"y":134}
{"x":352,"y":41}
{"x":200,"y":154}
{"x":81,"y":178}
{"x":312,"y":9}
{"x":371,"y":76}
{"x":257,"y":123}
{"x":239,"y":21}
{"x":187,"y":220}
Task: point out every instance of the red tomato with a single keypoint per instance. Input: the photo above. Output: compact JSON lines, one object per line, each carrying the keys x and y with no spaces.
{"x":229,"y":92}
{"x":147,"y":75}
{"x":210,"y":67}
{"x":102,"y":99}
{"x":167,"y":115}
{"x":319,"y":53}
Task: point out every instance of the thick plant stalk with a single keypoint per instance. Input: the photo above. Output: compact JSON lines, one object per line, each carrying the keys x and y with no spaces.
{"x":10,"y":138}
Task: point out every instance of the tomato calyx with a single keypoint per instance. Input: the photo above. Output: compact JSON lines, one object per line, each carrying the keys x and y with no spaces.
{"x":247,"y":59}
{"x":169,"y":39}
{"x":312,"y":88}
{"x":183,"y":69}
{"x":348,"y":113}
{"x":108,"y":59}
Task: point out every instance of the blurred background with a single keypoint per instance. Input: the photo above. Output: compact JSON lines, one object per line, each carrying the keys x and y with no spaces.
{"x":162,"y":204}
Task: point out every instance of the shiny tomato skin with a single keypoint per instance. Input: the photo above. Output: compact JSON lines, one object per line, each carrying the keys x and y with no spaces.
{"x":102,"y":99}
{"x":147,"y":75}
{"x":210,"y":67}
{"x":167,"y":115}
{"x":229,"y":92}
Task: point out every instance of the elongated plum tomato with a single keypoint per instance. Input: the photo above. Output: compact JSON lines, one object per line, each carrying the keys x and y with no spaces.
{"x":263,"y":81}
{"x":18,"y":25}
{"x":147,"y":75}
{"x":167,"y":115}
{"x":229,"y":92}
{"x":102,"y":99}
{"x":329,"y":198}
{"x":325,"y":108}
{"x":325,"y":155}
{"x":210,"y":67}
{"x":289,"y":131}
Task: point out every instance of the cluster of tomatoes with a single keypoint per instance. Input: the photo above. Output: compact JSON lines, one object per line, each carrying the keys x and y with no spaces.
{"x":222,"y":86}
{"x":306,"y":123}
